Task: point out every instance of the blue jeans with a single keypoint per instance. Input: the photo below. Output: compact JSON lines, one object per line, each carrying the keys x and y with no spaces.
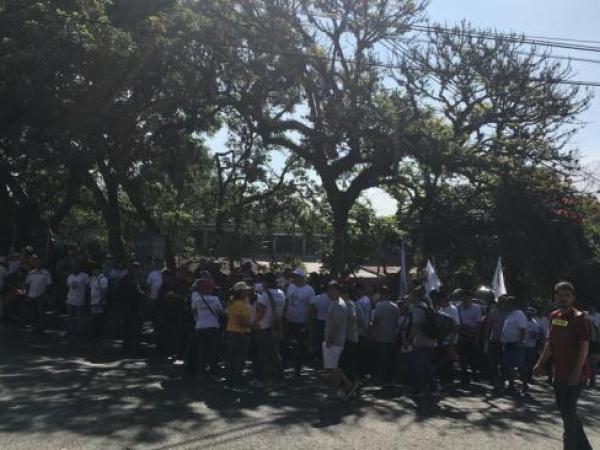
{"x":424,"y":372}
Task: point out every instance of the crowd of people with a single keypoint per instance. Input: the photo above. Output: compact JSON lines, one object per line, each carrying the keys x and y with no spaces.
{"x":253,"y":327}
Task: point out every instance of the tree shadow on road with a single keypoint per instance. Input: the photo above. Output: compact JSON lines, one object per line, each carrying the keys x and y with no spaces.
{"x":49,"y":384}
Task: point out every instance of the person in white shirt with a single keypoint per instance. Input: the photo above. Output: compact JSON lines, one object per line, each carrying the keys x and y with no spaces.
{"x":333,"y":345}
{"x":299,"y":296}
{"x":37,"y":282}
{"x":154,"y":282}
{"x":385,"y":331}
{"x":364,"y":310}
{"x":268,"y":323}
{"x":446,"y":351}
{"x":77,"y":283}
{"x":470,"y":322}
{"x":349,"y":359}
{"x":318,"y":311}
{"x":207,"y":309}
{"x":98,"y":294}
{"x":513,"y":337}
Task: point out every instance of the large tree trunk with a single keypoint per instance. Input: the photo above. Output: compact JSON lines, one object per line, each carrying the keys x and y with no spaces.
{"x":218,"y":242}
{"x":340,"y":230}
{"x":112,"y":217}
{"x":108,"y":202}
{"x":153,"y":225}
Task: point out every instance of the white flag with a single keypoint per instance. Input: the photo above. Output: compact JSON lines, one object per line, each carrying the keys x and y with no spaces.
{"x":403,"y":291}
{"x":498,"y":286}
{"x":432,"y":281}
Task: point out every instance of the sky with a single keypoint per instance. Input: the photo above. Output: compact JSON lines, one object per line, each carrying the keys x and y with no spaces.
{"x":571,"y":19}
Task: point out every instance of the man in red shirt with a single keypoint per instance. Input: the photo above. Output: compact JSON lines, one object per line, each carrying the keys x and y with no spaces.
{"x":568,"y":344}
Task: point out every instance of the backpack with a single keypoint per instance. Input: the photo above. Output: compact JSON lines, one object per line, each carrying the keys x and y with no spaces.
{"x":437,"y":325}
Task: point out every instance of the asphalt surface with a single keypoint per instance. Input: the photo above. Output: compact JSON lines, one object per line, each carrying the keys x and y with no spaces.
{"x":54,"y":396}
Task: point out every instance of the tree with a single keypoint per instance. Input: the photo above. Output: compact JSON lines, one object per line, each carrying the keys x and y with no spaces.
{"x":495,"y":113}
{"x":245,"y":180}
{"x":40,"y":176}
{"x":371,"y":238}
{"x":503,"y":105}
{"x":121,"y":86}
{"x":321,"y":93}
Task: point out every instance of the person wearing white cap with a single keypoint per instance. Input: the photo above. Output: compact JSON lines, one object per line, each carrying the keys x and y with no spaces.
{"x":300,"y":296}
{"x":238,"y":334}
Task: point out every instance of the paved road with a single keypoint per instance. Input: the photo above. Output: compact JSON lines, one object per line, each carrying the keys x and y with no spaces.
{"x":52,"y":396}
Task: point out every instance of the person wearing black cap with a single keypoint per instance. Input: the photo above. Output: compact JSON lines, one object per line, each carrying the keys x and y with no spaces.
{"x":131,"y":296}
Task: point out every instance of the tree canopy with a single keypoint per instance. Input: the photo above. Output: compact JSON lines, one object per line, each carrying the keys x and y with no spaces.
{"x":109,"y":108}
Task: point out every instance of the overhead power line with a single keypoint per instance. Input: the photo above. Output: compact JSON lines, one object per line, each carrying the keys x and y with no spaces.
{"x":488,"y":35}
{"x":543,"y":41}
{"x":548,"y":55}
{"x":396,"y":66}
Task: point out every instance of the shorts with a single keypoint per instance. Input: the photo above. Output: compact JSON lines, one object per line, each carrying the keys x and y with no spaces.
{"x":331,"y":356}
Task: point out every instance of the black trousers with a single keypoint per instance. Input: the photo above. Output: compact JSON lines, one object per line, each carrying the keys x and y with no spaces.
{"x":444,"y":365}
{"x":349,"y":360}
{"x":132,"y":334}
{"x":467,"y":351}
{"x":36,"y":312}
{"x":386,"y":361}
{"x":574,"y":437}
{"x":497,"y":375}
{"x":295,"y":344}
{"x":97,"y":327}
{"x":208,"y":343}
{"x":268,"y":356}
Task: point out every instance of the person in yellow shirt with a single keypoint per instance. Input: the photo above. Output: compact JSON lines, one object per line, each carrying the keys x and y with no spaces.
{"x":238,"y":334}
